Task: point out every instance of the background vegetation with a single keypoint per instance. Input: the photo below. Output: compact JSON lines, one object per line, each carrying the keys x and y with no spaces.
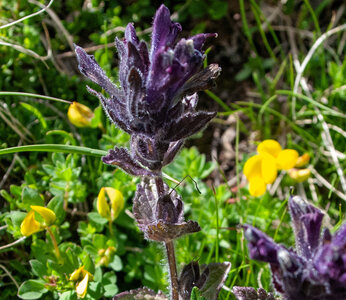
{"x":283,"y":78}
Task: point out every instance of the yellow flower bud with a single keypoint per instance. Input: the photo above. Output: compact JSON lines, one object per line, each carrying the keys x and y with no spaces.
{"x":47,"y":214}
{"x":82,"y":287}
{"x":109,"y":251}
{"x":29,"y":225}
{"x":116,"y":200}
{"x":102,"y":205}
{"x":303,"y":160}
{"x":299,"y":175}
{"x":80,"y":115}
{"x":117,"y":203}
{"x":101,"y":252}
{"x":76,"y":273}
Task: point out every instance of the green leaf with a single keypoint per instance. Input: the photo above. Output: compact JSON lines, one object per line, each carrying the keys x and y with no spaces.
{"x":99,"y":241}
{"x":96,"y":220}
{"x":38,"y":268}
{"x":116,"y":264}
{"x":36,"y":112}
{"x":195,"y":294}
{"x":218,"y":9}
{"x":110,"y":290}
{"x":56,"y":204}
{"x":58,"y":158}
{"x":69,"y":295}
{"x":88,"y":263}
{"x":7,"y":196}
{"x":31,"y":289}
{"x":31,"y":197}
{"x":97,"y":119}
{"x":95,"y":290}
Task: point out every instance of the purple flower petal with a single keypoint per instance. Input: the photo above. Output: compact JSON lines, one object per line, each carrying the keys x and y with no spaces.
{"x":187,"y":125}
{"x":120,"y":157}
{"x":164,"y":31}
{"x":307,"y":221}
{"x":89,"y":68}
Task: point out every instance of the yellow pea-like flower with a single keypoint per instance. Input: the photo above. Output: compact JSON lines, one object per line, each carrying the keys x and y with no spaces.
{"x":29,"y":225}
{"x":76,"y":273}
{"x":257,"y":187}
{"x":117,"y":203}
{"x":82,"y":286}
{"x":110,"y":212}
{"x":287,"y":159}
{"x":47,"y":214}
{"x":271,"y":147}
{"x":262,"y":168}
{"x":80,"y":115}
{"x":102,"y":205}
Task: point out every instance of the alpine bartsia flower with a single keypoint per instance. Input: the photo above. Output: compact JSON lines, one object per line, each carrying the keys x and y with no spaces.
{"x":156,"y":100}
{"x":161,"y":218}
{"x":316,"y":268}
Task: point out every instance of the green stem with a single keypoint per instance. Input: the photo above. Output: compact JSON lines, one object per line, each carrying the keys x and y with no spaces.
{"x":110,"y":227}
{"x":55,"y":244}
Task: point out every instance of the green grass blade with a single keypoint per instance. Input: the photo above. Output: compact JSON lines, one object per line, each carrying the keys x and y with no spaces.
{"x":36,"y":112}
{"x":33,"y":96}
{"x":54,"y":148}
{"x":312,"y":101}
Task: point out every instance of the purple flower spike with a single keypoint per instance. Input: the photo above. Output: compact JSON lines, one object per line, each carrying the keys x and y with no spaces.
{"x":316,"y":269}
{"x":152,"y":103}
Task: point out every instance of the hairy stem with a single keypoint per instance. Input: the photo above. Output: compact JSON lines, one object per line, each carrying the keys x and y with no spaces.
{"x":172,"y":265}
{"x":173,"y":274}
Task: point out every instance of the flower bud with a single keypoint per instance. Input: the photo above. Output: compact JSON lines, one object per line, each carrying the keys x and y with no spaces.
{"x":299,"y":175}
{"x":80,"y":115}
{"x":102,"y":205}
{"x":302,"y":160}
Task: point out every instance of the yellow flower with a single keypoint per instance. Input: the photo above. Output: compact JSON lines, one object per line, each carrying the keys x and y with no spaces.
{"x":302,"y":160}
{"x":299,"y":175}
{"x":82,"y":285}
{"x":110,"y":212}
{"x":262,"y":168}
{"x":76,"y":273}
{"x":47,"y":214}
{"x":30,"y":225}
{"x":80,"y":115}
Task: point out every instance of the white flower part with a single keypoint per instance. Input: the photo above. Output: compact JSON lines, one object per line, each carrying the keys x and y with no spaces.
{"x":301,"y":203}
{"x":249,"y":236}
{"x":190,"y":46}
{"x":284,"y":259}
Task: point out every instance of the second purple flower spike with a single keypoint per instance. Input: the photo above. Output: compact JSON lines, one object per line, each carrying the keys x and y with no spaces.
{"x":316,"y":268}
